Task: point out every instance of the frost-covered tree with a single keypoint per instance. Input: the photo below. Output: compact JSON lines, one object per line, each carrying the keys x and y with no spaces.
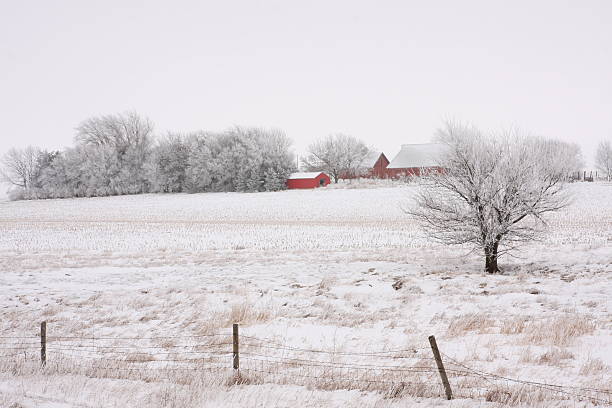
{"x":43,"y":162}
{"x":495,"y":190}
{"x":115,"y":154}
{"x":277,"y":161}
{"x":20,"y":167}
{"x":83,"y":171}
{"x":130,"y":137}
{"x":119,"y":130}
{"x":168,"y":165}
{"x":242,"y":159}
{"x":199,"y":161}
{"x":65,"y":176}
{"x":97,"y":170}
{"x":336,"y":155}
{"x":248,"y":159}
{"x":603,"y":158}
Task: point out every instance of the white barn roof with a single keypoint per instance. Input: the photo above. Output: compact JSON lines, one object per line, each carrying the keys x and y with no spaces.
{"x":370,"y":160}
{"x":417,"y":155}
{"x":304,"y":175}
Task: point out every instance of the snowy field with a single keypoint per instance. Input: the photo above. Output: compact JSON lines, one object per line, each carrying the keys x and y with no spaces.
{"x":140,"y":293}
{"x":4,"y":188}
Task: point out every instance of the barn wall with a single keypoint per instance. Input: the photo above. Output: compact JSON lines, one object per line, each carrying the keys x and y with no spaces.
{"x":301,"y":183}
{"x":411,"y":171}
{"x":308,"y":183}
{"x":379,"y":169}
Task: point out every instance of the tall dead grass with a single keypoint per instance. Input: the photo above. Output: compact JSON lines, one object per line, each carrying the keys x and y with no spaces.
{"x":515,"y":325}
{"x":517,"y":395}
{"x":593,"y":366}
{"x":560,"y":330}
{"x":472,"y":322}
{"x":389,"y":383}
{"x":555,"y":357}
{"x":244,"y":312}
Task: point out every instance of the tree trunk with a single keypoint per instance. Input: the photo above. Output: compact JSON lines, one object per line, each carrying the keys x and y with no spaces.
{"x":491,"y":258}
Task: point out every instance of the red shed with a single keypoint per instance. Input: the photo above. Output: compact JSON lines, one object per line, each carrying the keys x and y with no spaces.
{"x":307,"y":180}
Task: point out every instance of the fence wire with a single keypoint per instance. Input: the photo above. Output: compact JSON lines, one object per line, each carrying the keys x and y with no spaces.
{"x":410,"y":370}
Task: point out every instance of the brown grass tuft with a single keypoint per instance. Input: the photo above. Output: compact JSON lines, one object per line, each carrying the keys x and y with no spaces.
{"x":139,"y":357}
{"x":470,"y":322}
{"x":559,"y":331}
{"x":555,"y":356}
{"x":245,"y":312}
{"x":516,"y":325}
{"x":516,"y":395}
{"x":593,"y":366}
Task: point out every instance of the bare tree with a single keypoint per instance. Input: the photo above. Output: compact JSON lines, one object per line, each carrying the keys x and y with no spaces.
{"x":120,"y":131}
{"x":20,"y":166}
{"x":494,"y":191}
{"x":603,"y":158}
{"x":337,"y":155}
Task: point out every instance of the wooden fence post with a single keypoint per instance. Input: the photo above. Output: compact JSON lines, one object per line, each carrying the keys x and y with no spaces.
{"x":236,"y":357}
{"x":436,"y":353}
{"x":43,"y":343}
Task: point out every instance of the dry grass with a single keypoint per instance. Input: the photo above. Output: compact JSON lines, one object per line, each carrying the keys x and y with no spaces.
{"x":326,"y":283}
{"x":526,"y":356}
{"x":415,"y":289}
{"x":559,"y":331}
{"x":555,"y":356}
{"x":139,"y":357}
{"x":473,"y":322}
{"x":517,"y":395}
{"x":389,"y":384}
{"x":593,"y":366}
{"x":245,"y":312}
{"x":516,"y":325}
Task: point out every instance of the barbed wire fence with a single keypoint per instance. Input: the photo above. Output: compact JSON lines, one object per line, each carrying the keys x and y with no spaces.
{"x":242,"y":359}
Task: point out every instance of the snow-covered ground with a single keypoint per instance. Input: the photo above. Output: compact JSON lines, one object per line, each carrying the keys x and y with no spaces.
{"x":311,"y":270}
{"x":4,"y":188}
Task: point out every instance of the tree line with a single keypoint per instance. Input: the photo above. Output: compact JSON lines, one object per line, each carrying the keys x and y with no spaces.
{"x":120,"y":154}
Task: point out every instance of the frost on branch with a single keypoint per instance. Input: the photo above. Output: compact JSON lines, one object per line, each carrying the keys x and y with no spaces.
{"x":495,"y":191}
{"x":603,"y":159}
{"x":338,"y":155}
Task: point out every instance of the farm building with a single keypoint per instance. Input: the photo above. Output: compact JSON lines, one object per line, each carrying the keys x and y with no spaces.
{"x":415,"y":159}
{"x":307,"y":180}
{"x":375,"y":165}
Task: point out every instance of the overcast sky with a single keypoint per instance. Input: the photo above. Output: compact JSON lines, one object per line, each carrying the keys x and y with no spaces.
{"x":385,"y":71}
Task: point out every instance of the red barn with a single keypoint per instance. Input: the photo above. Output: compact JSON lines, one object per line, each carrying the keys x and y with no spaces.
{"x":372,"y":166}
{"x":376,"y":165}
{"x":416,"y":159}
{"x":307,"y":180}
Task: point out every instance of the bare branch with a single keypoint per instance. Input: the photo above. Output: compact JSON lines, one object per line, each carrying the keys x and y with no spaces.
{"x":495,"y":190}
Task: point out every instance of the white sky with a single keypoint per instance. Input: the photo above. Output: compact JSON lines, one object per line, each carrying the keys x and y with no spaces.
{"x":385,"y":71}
